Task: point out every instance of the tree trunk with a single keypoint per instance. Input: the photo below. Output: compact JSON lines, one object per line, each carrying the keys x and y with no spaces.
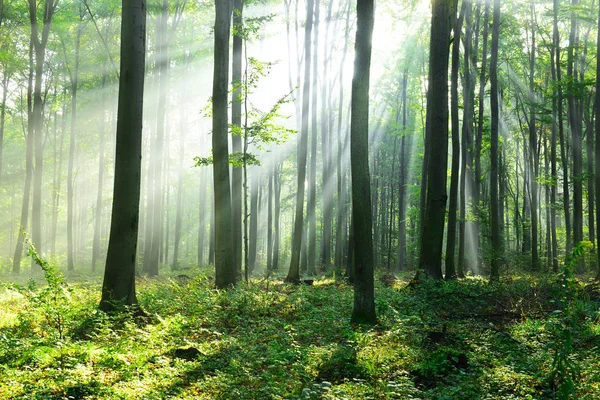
{"x":5,"y":83}
{"x":453,"y":206}
{"x":297,"y":238}
{"x":432,"y":235}
{"x":495,"y":109}
{"x":119,"y":275}
{"x":466,"y":142}
{"x":479,"y":138}
{"x":236,"y":140}
{"x":98,"y":213}
{"x":202,"y":213}
{"x":364,"y":298}
{"x":28,"y":169}
{"x":575,"y":124}
{"x":36,"y":116}
{"x":225,"y":269}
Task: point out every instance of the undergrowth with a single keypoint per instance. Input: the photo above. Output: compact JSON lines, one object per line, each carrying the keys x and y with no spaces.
{"x":269,"y":340}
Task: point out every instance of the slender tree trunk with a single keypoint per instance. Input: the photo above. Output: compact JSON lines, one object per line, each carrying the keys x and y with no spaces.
{"x":98,"y":213}
{"x":224,"y":266}
{"x":404,"y":163}
{"x":277,"y":187}
{"x":28,"y":168}
{"x":236,"y":139}
{"x":479,"y":138}
{"x":495,"y":109}
{"x":5,"y":83}
{"x":156,"y":212}
{"x":466,"y":142}
{"x":364,"y":297}
{"x":253,"y":231}
{"x":39,"y":45}
{"x":554,"y":174}
{"x":183,"y":126}
{"x":270,"y":178}
{"x":575,"y":124}
{"x":312,"y":177}
{"x":533,"y":152}
{"x":597,"y":148}
{"x":339,"y":235}
{"x":294,"y":271}
{"x":326,"y":147}
{"x":451,"y":236}
{"x":119,"y":275}
{"x":432,"y":235}
{"x":202,"y":213}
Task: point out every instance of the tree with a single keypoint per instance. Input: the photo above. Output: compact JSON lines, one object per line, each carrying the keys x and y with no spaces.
{"x":236,"y":140}
{"x":597,"y":170}
{"x":495,"y":109}
{"x":119,"y":275}
{"x":224,"y":266}
{"x":451,"y":237}
{"x":294,"y":271}
{"x":364,"y":297}
{"x":39,"y":43}
{"x":432,"y":233}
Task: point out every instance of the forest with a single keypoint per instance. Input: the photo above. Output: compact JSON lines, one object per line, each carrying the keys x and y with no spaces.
{"x":299,"y":199}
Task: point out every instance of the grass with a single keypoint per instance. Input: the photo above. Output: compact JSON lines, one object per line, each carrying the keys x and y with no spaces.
{"x":270,"y":340}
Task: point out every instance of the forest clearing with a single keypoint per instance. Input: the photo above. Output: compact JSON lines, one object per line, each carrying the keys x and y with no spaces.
{"x":270,"y":340}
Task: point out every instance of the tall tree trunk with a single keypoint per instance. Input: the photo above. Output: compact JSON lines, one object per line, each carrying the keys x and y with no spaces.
{"x":312,"y":176}
{"x":432,"y":233}
{"x":339,"y":235}
{"x":575,"y":124}
{"x":236,"y":139}
{"x":253,"y":231}
{"x":270,"y":178}
{"x":297,"y":238}
{"x":202,"y":213}
{"x":555,"y":117}
{"x":479,"y":138}
{"x":597,"y":148}
{"x":157,"y":211}
{"x":453,"y":206}
{"x":533,"y":151}
{"x":224,"y":266}
{"x":98,"y":213}
{"x":39,"y":45}
{"x":16,"y":269}
{"x":5,"y":83}
{"x":277,"y":185}
{"x":466,"y":141}
{"x":56,"y":184}
{"x":404,"y":163}
{"x":364,"y":298}
{"x":495,"y":109}
{"x":119,"y":275}
{"x":326,"y":146}
{"x":182,"y":128}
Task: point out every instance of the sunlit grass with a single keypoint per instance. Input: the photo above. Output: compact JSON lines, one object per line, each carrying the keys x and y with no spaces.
{"x":267,"y":339}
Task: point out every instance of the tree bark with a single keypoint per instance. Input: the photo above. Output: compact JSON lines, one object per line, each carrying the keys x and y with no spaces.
{"x":297,"y":238}
{"x":432,"y":234}
{"x":224,"y":266}
{"x":453,"y":206}
{"x":495,"y":109}
{"x":119,"y":276}
{"x":364,"y":298}
{"x":236,"y":140}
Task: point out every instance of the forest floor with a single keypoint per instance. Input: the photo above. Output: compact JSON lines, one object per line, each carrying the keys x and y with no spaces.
{"x":529,"y":337}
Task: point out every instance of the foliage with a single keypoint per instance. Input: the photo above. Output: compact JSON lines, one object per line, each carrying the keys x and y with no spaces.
{"x":446,"y":340}
{"x":565,"y":371}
